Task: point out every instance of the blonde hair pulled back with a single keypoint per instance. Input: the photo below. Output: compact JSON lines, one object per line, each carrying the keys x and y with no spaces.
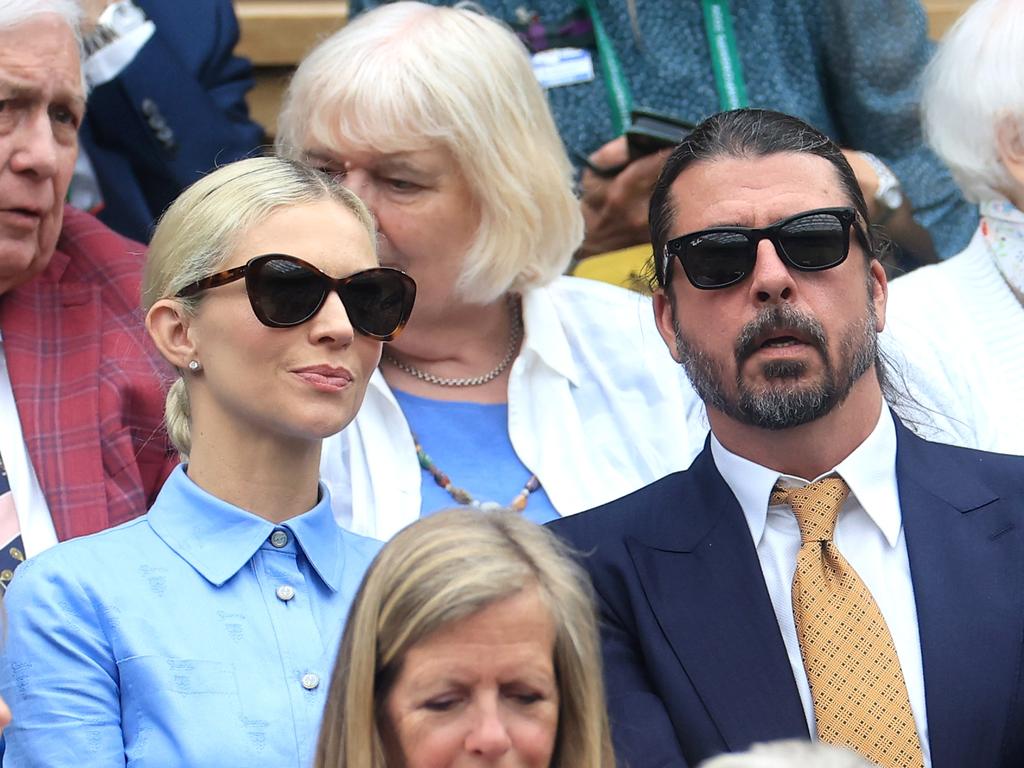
{"x":200,"y":229}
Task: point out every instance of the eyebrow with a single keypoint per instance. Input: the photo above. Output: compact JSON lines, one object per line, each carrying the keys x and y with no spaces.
{"x":400,"y":163}
{"x":389,"y":162}
{"x":316,"y":157}
{"x":11,"y":90}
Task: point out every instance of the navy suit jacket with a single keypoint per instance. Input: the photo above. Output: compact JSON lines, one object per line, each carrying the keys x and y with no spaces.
{"x":174,"y":113}
{"x":694,"y":661}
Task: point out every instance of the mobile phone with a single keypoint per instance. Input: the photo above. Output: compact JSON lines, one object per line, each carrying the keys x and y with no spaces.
{"x":652,"y":131}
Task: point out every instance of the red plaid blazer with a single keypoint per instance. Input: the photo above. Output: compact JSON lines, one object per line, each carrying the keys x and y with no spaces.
{"x":88,"y":384}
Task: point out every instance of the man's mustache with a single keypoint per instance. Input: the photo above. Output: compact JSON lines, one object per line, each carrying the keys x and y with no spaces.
{"x":782,"y":318}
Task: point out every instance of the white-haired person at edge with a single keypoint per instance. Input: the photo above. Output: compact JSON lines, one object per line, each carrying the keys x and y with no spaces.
{"x":511,"y":386}
{"x":957,"y":328}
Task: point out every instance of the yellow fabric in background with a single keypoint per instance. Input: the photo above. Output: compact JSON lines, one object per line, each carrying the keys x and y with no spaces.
{"x":624,"y":267}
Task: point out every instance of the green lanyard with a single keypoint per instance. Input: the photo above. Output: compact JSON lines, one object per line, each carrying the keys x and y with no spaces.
{"x":725,"y":60}
{"x":620,"y":99}
{"x":725,"y":57}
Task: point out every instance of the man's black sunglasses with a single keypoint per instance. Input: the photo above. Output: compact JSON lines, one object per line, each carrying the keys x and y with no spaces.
{"x":285,"y":291}
{"x":722,"y":256}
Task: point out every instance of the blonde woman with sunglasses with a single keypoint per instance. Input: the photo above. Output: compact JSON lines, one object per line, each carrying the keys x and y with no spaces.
{"x":204,"y":632}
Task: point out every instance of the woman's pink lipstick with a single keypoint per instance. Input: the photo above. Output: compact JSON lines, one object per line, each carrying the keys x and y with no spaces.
{"x":325,"y":378}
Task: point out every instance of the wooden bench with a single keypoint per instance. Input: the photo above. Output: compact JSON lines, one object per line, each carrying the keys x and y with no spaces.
{"x":942,"y":14}
{"x":276,"y":34}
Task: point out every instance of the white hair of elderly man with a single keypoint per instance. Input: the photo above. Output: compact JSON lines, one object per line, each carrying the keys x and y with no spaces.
{"x":15,"y":12}
{"x":790,"y":754}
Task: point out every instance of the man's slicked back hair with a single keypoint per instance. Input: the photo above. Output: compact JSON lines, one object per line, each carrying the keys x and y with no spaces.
{"x":745,"y":133}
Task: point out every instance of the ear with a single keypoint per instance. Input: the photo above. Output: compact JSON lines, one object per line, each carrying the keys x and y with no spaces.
{"x":879,"y":292}
{"x":1010,"y":147}
{"x":664,"y":319}
{"x":169,"y":326}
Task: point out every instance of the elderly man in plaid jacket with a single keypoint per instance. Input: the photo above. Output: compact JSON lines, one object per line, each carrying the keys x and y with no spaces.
{"x":82,"y":445}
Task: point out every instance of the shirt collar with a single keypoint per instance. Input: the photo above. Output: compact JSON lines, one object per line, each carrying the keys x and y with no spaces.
{"x":218,"y":539}
{"x":869,"y":471}
{"x":544,"y":334}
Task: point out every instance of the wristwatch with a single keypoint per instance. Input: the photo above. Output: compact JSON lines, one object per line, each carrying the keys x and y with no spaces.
{"x":116,"y":21}
{"x":889,"y":195}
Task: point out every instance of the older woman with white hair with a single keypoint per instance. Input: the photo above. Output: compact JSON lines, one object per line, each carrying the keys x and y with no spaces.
{"x":511,"y":386}
{"x":959,"y":326}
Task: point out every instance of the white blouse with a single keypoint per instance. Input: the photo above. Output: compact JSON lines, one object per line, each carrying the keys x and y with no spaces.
{"x":597,"y":409}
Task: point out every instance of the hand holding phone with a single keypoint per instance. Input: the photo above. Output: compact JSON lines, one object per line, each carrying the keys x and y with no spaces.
{"x":649,"y":132}
{"x":615,"y":209}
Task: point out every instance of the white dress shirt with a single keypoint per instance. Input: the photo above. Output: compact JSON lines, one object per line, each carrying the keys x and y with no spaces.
{"x":37,"y":532}
{"x":597,"y":408}
{"x":869,"y":533}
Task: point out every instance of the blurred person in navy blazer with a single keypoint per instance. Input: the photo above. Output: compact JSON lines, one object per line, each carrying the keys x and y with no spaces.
{"x":728,"y":619}
{"x":167,"y":104}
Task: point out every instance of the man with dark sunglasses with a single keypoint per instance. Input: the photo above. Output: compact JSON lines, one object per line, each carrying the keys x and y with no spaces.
{"x":82,"y":443}
{"x":819,"y":571}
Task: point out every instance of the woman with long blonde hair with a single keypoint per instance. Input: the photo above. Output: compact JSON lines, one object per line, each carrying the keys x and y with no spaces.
{"x":473,"y":636}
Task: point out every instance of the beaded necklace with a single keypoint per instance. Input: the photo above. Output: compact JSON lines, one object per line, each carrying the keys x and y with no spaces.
{"x":462,"y":496}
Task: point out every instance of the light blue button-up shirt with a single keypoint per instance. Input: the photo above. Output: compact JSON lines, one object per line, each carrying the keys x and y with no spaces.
{"x":199,"y":634}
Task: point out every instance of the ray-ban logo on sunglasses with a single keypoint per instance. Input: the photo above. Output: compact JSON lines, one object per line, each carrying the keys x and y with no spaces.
{"x":722,"y":256}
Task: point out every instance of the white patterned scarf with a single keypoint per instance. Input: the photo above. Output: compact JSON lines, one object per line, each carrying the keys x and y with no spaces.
{"x":1002,"y":226}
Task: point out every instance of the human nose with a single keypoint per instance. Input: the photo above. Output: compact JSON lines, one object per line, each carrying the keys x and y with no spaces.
{"x":488,"y":737}
{"x":358,"y":181}
{"x":331,"y":325}
{"x":35,"y":149}
{"x":772,"y":279}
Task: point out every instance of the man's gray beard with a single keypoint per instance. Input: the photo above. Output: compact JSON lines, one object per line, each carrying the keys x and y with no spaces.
{"x":783,"y":406}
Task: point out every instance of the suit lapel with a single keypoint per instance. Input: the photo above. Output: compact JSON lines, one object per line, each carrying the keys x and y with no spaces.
{"x":964,"y":552}
{"x":51,"y":339}
{"x":699,"y":569}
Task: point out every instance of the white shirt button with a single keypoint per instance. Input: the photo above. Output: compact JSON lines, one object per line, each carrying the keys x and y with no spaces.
{"x":310,"y":681}
{"x":279,"y":539}
{"x":285,"y":592}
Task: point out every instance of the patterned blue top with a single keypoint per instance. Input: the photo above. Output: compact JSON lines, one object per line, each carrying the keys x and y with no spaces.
{"x":848,"y":67}
{"x":199,"y":634}
{"x":470,"y":443}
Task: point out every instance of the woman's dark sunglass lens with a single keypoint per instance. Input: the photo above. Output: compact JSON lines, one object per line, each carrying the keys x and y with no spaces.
{"x":376,"y":302}
{"x":288,"y":293}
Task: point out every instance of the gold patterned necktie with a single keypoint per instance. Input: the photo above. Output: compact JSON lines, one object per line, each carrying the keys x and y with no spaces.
{"x":860,"y":696}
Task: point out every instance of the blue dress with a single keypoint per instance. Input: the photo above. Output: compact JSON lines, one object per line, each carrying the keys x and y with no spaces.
{"x":198,"y":634}
{"x":469,"y":442}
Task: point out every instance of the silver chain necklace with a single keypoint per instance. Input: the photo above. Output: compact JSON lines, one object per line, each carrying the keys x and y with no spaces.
{"x":514,"y":339}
